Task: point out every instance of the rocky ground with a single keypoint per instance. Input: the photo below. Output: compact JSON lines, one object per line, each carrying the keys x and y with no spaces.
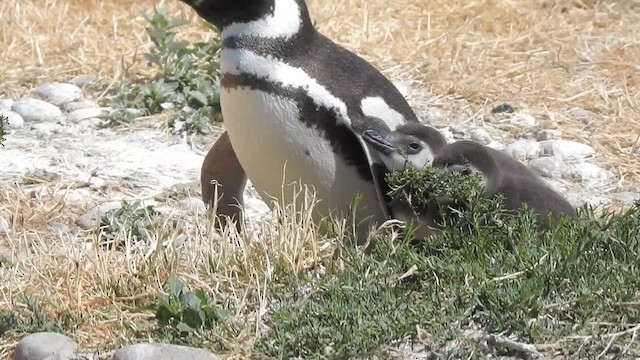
{"x":57,"y":146}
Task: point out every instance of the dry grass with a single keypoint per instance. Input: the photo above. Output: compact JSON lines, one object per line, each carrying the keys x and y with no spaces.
{"x":547,"y":56}
{"x":107,"y":288}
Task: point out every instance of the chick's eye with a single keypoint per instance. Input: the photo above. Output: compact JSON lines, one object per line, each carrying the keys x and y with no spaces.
{"x":414,"y":146}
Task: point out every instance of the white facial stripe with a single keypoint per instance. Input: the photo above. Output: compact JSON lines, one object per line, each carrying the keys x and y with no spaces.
{"x":284,"y":22}
{"x":376,"y":106}
{"x":240,"y":61}
{"x":422,"y":159}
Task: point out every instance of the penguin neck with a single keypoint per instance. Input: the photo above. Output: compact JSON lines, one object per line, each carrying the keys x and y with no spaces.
{"x":283,"y":20}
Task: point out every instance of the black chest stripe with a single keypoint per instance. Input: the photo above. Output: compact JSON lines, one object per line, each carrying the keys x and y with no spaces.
{"x":321,"y":118}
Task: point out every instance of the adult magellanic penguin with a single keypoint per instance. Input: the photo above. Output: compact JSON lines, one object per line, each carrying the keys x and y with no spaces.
{"x":291,"y":99}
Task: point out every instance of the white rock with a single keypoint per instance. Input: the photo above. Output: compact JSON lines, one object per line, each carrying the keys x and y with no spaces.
{"x":523,"y":119}
{"x":481,"y":136}
{"x":167,"y":106}
{"x":524,"y":149}
{"x":548,"y":166}
{"x":96,"y":183}
{"x":566,"y":149}
{"x":88,"y":113}
{"x":58,"y":93}
{"x":6,"y":104}
{"x":548,"y":134}
{"x":156,"y":351}
{"x":15,"y":121}
{"x":587,"y":172}
{"x":79,"y":104}
{"x":45,"y":345}
{"x":36,"y":110}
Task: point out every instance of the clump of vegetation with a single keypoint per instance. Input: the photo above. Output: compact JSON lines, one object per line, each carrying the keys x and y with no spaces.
{"x":497,"y":280}
{"x":4,"y":121}
{"x":187,"y":311}
{"x":188,"y":80}
{"x":135,"y":220}
{"x":187,"y":316}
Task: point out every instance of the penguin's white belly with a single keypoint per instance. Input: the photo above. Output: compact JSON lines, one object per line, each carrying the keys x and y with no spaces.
{"x":276,"y":148}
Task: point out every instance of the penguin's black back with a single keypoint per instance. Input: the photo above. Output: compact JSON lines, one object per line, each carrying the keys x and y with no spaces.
{"x":345,"y":74}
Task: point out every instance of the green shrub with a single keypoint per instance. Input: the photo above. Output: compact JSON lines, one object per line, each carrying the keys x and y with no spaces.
{"x":188,"y":81}
{"x":564,"y":289}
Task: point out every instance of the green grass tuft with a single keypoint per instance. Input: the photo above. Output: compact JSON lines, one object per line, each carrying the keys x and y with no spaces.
{"x":562,"y":289}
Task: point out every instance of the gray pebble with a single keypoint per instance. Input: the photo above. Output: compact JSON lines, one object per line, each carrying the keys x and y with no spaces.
{"x":84,"y":80}
{"x":524,"y":149}
{"x":92,"y":123}
{"x":88,"y":113}
{"x":566,"y":149}
{"x":481,"y":136}
{"x":548,"y":134}
{"x":135,"y":112}
{"x":15,"y":121}
{"x":156,"y":351}
{"x":587,"y":172}
{"x":548,"y":166}
{"x":6,"y":104}
{"x":36,"y":110}
{"x":580,"y":113}
{"x":79,"y":104}
{"x":58,"y":93}
{"x":45,"y":345}
{"x":523,"y":119}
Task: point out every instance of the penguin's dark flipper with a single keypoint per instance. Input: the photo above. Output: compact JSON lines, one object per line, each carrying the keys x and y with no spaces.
{"x":221,"y":167}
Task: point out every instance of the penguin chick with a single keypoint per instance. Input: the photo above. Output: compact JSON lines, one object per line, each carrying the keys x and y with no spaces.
{"x":410,"y":144}
{"x":504,"y":175}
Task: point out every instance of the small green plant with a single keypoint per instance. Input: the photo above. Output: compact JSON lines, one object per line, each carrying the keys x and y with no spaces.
{"x":187,"y":311}
{"x":4,"y":121}
{"x":188,"y":80}
{"x":133,"y":218}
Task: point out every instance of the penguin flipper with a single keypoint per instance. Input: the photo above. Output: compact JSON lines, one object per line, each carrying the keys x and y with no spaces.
{"x":221,"y":167}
